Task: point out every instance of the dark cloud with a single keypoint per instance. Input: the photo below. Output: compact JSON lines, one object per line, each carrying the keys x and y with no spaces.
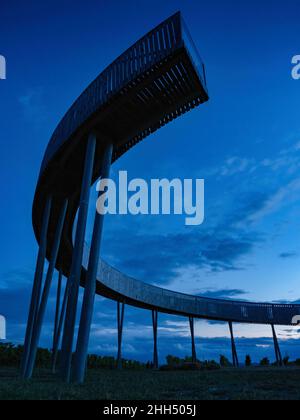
{"x":156,"y":258}
{"x":15,"y":294}
{"x":16,"y":278}
{"x":287,"y":302}
{"x":290,"y":331}
{"x":286,"y":255}
{"x":248,"y":204}
{"x":14,"y":303}
{"x":222,"y":293}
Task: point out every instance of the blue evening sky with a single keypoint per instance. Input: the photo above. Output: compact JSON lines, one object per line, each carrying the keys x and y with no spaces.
{"x":245,"y":143}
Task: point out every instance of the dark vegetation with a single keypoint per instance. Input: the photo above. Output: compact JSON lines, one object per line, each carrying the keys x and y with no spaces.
{"x":10,"y":356}
{"x":255,"y":383}
{"x":179,"y":379}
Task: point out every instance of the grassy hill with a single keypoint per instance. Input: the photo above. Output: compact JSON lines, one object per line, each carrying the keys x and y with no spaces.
{"x":256,"y":383}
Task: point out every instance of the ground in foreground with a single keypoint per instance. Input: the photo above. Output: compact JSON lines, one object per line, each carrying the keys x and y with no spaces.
{"x":227,"y":384}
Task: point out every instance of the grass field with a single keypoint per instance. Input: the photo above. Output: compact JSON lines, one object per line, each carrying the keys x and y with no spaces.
{"x":227,"y":384}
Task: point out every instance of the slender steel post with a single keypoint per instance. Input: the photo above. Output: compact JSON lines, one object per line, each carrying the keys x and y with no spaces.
{"x":57,"y":308}
{"x":59,"y":328}
{"x":155,"y":352}
{"x":120,"y":314}
{"x":276,"y":347}
{"x":194,"y":355}
{"x":44,"y":299}
{"x":90,"y":286}
{"x":75,"y":273}
{"x":37,"y":284}
{"x":235,"y":360}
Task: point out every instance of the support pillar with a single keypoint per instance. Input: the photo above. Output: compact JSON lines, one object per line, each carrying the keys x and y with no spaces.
{"x":235,"y":360}
{"x":90,"y":286}
{"x":276,"y":347}
{"x":44,"y":299}
{"x":76,"y":266}
{"x":59,"y":328}
{"x":155,"y":353}
{"x":57,"y":308}
{"x":194,"y":355}
{"x":120,"y":314}
{"x":37,"y":285}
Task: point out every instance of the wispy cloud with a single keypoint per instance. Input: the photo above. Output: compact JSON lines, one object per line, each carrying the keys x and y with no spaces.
{"x":217,"y":250}
{"x":236,"y":165}
{"x":287,"y":255}
{"x":18,"y":278}
{"x":286,"y":160}
{"x":222,"y":293}
{"x":277,"y":200}
{"x":33,"y":106}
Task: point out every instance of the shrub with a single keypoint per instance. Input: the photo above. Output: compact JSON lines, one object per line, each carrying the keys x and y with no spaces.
{"x":248,"y":361}
{"x":173,"y":360}
{"x":224,"y":362}
{"x":189,"y":366}
{"x":210,"y":365}
{"x":265,"y":362}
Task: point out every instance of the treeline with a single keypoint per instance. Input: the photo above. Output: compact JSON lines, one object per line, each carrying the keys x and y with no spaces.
{"x":177,"y":362}
{"x":10,"y":355}
{"x":108,"y":362}
{"x":265,"y":361}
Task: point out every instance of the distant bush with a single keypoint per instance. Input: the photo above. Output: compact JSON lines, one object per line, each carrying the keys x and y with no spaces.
{"x":286,"y":360}
{"x":175,"y":363}
{"x":109,"y":362}
{"x":224,"y":362}
{"x":173,"y":360}
{"x":248,"y":361}
{"x":265,"y":362}
{"x":10,"y":355}
{"x":210,"y":365}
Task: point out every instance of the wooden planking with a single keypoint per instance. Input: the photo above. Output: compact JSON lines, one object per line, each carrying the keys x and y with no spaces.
{"x":165,"y":91}
{"x":145,"y":57}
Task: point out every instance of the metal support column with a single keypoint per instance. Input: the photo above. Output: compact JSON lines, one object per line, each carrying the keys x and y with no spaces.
{"x":59,"y":328}
{"x":57,"y":307}
{"x":37,"y":328}
{"x":276,"y":347}
{"x":37,"y":285}
{"x":90,"y":286}
{"x":155,"y":353}
{"x":76,"y":266}
{"x":235,"y":360}
{"x":194,"y":355}
{"x":120,"y":315}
